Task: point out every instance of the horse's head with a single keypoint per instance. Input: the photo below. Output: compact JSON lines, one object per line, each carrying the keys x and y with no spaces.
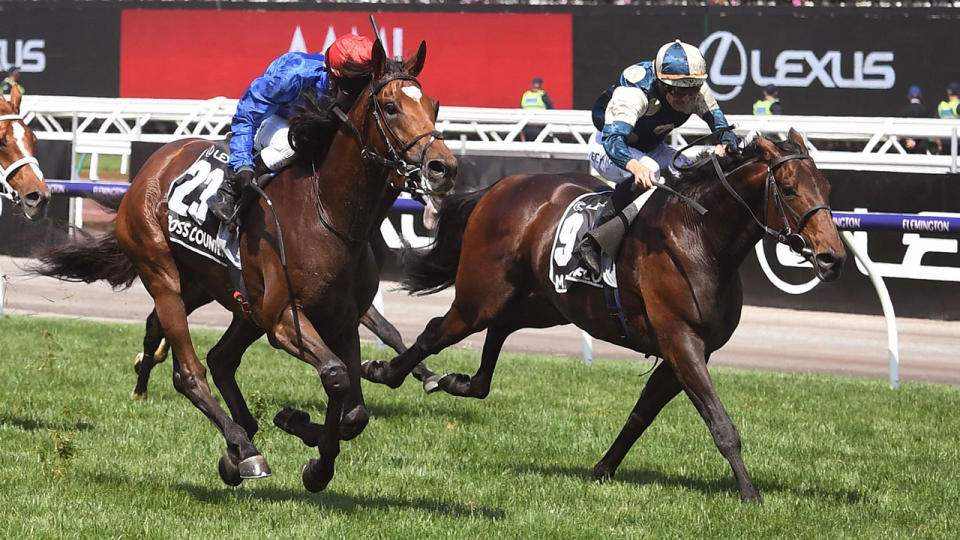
{"x":399,"y":123}
{"x":794,"y":194}
{"x":21,"y":180}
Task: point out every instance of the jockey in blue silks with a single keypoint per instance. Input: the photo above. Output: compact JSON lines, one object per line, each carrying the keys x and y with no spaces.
{"x":634,"y":117}
{"x":261,"y":123}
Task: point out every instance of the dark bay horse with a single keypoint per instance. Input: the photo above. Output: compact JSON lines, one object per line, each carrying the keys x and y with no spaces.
{"x":677,"y":273}
{"x":21,"y":180}
{"x":311,"y":307}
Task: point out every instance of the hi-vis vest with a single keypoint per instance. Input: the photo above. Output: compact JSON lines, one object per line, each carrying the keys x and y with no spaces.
{"x":533,"y":99}
{"x":762,"y":106}
{"x":948,"y":109}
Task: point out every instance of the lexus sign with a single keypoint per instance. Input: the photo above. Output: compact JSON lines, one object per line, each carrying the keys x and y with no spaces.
{"x":731,"y":67}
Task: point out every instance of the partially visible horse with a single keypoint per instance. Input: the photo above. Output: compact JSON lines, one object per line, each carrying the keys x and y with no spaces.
{"x":309,"y":307}
{"x":677,"y":274}
{"x":21,"y":180}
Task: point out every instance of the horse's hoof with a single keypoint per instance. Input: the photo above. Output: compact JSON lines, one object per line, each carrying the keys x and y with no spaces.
{"x":134,"y":396}
{"x":228,"y":470}
{"x":288,"y":419}
{"x":365,"y":368}
{"x":602,"y":473}
{"x":312,"y":477}
{"x":136,"y":363}
{"x":431,"y":384}
{"x":254,"y":467}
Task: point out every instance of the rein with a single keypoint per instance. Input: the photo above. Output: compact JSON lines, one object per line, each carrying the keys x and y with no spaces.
{"x":6,"y":190}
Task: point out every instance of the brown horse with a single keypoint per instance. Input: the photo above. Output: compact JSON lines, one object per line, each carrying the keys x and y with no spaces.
{"x":310,"y":307}
{"x":677,"y":274}
{"x":21,"y":180}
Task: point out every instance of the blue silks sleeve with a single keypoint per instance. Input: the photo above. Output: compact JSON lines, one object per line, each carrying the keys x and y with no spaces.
{"x":715,"y":120}
{"x":614,"y":139}
{"x":279,"y":85}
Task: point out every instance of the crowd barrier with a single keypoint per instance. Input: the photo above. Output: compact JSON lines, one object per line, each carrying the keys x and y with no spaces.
{"x":846,"y":222}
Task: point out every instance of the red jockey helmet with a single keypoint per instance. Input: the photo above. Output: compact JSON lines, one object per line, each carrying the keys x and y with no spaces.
{"x":350,"y":48}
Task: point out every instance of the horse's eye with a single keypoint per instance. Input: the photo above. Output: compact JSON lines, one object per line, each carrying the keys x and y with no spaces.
{"x":391,"y":108}
{"x":789,"y":191}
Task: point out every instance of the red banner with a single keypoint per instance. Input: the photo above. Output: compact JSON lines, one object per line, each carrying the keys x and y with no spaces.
{"x":473,"y":59}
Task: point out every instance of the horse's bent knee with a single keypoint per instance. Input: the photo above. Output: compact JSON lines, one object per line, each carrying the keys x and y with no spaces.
{"x":335,"y":379}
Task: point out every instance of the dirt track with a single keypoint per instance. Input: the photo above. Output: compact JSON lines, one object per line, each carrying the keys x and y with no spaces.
{"x":773,"y":339}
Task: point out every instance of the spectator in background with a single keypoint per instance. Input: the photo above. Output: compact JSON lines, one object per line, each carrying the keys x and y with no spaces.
{"x":13,"y":78}
{"x":948,"y":109}
{"x":914,"y":109}
{"x":770,"y":104}
{"x":534,"y":99}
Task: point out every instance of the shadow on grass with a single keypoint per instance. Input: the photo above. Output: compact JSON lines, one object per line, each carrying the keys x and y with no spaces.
{"x":30,"y":424}
{"x":710,"y":487}
{"x":397,"y":409}
{"x":327,"y":500}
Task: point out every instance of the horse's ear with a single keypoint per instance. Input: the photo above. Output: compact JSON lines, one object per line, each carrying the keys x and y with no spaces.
{"x":770,"y":150}
{"x":414,"y":65}
{"x":796,"y":137}
{"x":378,"y":59}
{"x":15,"y":97}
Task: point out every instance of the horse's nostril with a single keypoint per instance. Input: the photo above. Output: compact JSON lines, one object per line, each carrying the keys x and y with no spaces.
{"x":33,"y":198}
{"x":826,"y":259}
{"x":437,"y":166}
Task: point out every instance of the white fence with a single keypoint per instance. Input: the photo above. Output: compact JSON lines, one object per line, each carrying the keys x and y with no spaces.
{"x":109,"y":125}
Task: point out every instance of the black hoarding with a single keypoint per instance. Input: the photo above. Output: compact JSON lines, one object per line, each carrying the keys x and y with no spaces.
{"x":62,"y":49}
{"x":830,"y":62}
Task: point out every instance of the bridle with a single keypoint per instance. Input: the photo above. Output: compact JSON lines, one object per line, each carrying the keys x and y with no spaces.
{"x":6,"y":190}
{"x":786,"y":235}
{"x":413,"y":174}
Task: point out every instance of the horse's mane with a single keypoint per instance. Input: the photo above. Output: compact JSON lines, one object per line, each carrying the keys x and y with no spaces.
{"x":694,"y":176}
{"x":315,"y":125}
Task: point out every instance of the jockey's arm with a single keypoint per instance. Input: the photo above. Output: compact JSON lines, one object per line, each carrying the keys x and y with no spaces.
{"x":279,"y":85}
{"x":626,"y":106}
{"x":709,"y":110}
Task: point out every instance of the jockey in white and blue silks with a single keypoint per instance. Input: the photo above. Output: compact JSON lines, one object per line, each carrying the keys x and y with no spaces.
{"x":260,"y":126}
{"x":634,"y":117}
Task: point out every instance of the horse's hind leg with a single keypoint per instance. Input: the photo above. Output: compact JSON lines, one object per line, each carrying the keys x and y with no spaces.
{"x":161,"y":277}
{"x":155,"y":346}
{"x":381,"y":327}
{"x":659,"y":390}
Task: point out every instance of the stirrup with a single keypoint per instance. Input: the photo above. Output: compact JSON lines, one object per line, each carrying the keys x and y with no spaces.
{"x":591,"y":256}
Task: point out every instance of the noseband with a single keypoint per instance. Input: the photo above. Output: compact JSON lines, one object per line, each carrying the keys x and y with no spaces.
{"x":413,"y":174}
{"x":6,"y":190}
{"x":787,"y":236}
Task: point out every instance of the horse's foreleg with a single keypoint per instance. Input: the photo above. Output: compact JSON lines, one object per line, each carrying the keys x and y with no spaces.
{"x":687,"y":355}
{"x":478,"y":386}
{"x":224,"y":359}
{"x":381,"y":327}
{"x":659,"y":390}
{"x":336,"y":382}
{"x":189,"y":378}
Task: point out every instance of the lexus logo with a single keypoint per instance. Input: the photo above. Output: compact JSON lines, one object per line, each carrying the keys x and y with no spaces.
{"x":794,"y":67}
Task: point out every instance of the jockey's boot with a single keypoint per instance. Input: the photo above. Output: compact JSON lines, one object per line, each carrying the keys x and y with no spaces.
{"x":227,"y":201}
{"x":612,"y":224}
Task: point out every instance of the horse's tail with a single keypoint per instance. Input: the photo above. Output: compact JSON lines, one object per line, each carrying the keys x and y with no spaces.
{"x":90,"y":259}
{"x":435,"y":269}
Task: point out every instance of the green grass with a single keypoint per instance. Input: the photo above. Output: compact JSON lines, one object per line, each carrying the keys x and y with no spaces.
{"x":833,"y":457}
{"x":109,"y":164}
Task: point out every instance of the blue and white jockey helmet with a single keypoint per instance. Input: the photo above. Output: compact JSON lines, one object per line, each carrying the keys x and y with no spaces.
{"x":680,"y":64}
